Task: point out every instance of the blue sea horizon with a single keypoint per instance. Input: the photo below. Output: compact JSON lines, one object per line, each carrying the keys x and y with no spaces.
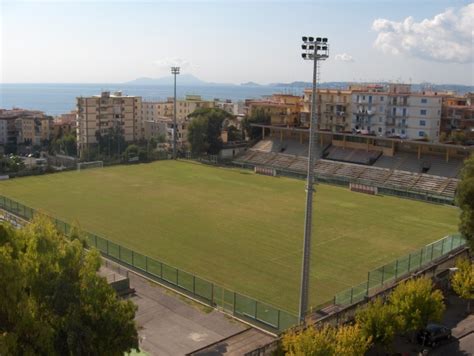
{"x":58,"y":98}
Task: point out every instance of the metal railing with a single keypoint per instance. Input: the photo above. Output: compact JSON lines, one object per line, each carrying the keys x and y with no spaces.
{"x":399,"y":268}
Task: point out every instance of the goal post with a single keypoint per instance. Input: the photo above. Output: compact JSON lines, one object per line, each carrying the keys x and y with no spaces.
{"x":87,"y":165}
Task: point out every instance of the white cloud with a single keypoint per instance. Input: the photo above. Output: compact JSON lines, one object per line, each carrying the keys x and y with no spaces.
{"x":344,"y":57}
{"x":166,"y":63}
{"x":447,"y":37}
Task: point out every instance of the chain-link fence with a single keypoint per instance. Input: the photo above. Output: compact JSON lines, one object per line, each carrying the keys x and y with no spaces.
{"x":244,"y":307}
{"x":399,"y":268}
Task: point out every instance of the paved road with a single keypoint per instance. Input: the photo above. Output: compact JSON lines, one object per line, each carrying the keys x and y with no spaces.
{"x":462,"y":347}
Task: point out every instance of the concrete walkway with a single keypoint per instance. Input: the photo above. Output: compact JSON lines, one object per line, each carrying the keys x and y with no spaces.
{"x":170,"y":324}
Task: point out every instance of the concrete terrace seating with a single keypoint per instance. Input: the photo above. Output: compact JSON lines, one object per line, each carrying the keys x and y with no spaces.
{"x":349,"y":171}
{"x":287,"y":146}
{"x":266,"y":146}
{"x":450,"y":188}
{"x":351,"y":155}
{"x":300,"y":164}
{"x":401,"y":179}
{"x":382,"y":177}
{"x":326,"y":168}
{"x":409,"y":162}
{"x":430,"y":183}
{"x":388,"y":162}
{"x":283,"y":161}
{"x":260,"y":158}
{"x":375,"y":175}
{"x":439,"y":166}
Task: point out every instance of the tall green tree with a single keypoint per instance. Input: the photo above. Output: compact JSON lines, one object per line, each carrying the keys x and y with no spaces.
{"x":52,"y":302}
{"x":310,"y":342}
{"x":416,"y":302}
{"x":258,"y":116}
{"x":465,"y":201}
{"x":462,"y":281}
{"x":347,"y":340}
{"x":204,"y":131}
{"x":378,"y":321}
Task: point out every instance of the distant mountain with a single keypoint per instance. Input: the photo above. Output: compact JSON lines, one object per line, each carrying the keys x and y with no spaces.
{"x":182,"y":79}
{"x":461,"y":89}
{"x":251,"y":84}
{"x":191,"y":80}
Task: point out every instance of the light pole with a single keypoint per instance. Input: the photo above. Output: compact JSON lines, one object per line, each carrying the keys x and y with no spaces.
{"x":174,"y":71}
{"x":314,"y":49}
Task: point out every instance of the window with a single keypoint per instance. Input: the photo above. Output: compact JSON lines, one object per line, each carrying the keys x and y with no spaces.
{"x":421,"y":133}
{"x":381,"y":98}
{"x":422,"y":123}
{"x":363,"y":97}
{"x":380,"y":129}
{"x":422,"y":112}
{"x":403,"y":132}
{"x":370,"y":98}
{"x":424,"y":100}
{"x":404,"y":112}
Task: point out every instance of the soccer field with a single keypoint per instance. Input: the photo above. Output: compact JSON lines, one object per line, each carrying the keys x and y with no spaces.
{"x":237,"y":229}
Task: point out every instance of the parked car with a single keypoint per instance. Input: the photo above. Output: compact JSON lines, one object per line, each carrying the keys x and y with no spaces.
{"x":433,"y":334}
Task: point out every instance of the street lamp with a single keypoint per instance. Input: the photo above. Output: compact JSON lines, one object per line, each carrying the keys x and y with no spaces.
{"x":314,"y":49}
{"x":174,"y":71}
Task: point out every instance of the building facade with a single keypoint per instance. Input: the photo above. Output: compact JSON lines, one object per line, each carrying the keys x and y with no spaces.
{"x":99,"y":114}
{"x":283,"y":109}
{"x":458,"y":115}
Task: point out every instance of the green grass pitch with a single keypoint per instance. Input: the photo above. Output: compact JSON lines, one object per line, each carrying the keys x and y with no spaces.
{"x":237,"y":229}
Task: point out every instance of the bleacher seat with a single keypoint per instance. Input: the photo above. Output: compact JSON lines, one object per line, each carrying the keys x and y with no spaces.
{"x":385,"y":173}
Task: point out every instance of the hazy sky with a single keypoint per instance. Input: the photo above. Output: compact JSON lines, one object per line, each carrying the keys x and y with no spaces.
{"x":235,"y":41}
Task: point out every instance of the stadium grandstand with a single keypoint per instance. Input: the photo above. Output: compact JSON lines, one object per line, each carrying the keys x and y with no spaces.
{"x":394,"y":165}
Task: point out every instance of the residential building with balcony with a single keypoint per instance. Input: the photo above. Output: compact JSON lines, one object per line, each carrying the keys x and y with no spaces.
{"x":457,"y":114}
{"x":99,"y":114}
{"x":283,"y":109}
{"x":334,"y":109}
{"x":369,"y":106}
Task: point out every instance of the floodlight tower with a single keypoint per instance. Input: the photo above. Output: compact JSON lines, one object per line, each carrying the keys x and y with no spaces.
{"x":175,"y":72}
{"x":314,"y":49}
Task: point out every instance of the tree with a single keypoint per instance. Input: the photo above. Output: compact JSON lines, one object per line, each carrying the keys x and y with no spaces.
{"x":258,"y":116}
{"x":351,"y":341}
{"x":378,"y":321}
{"x":310,"y":342}
{"x":462,"y":281}
{"x":416,"y":303}
{"x":131,"y":152}
{"x":52,"y":302}
{"x":204,"y":131}
{"x":465,"y":201}
{"x":233,"y":134}
{"x":327,"y":341}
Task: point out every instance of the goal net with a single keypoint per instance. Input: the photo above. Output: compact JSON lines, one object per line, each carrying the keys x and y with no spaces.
{"x":87,"y":165}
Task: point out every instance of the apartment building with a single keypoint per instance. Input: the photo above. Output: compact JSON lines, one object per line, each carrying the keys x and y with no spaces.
{"x":283,"y":109}
{"x":27,"y":127}
{"x":3,"y":131}
{"x":457,"y":114}
{"x":233,"y":108}
{"x":158,"y":116}
{"x":155,"y":128}
{"x":99,"y":114}
{"x":334,"y":109}
{"x":424,"y":116}
{"x":64,"y":124}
